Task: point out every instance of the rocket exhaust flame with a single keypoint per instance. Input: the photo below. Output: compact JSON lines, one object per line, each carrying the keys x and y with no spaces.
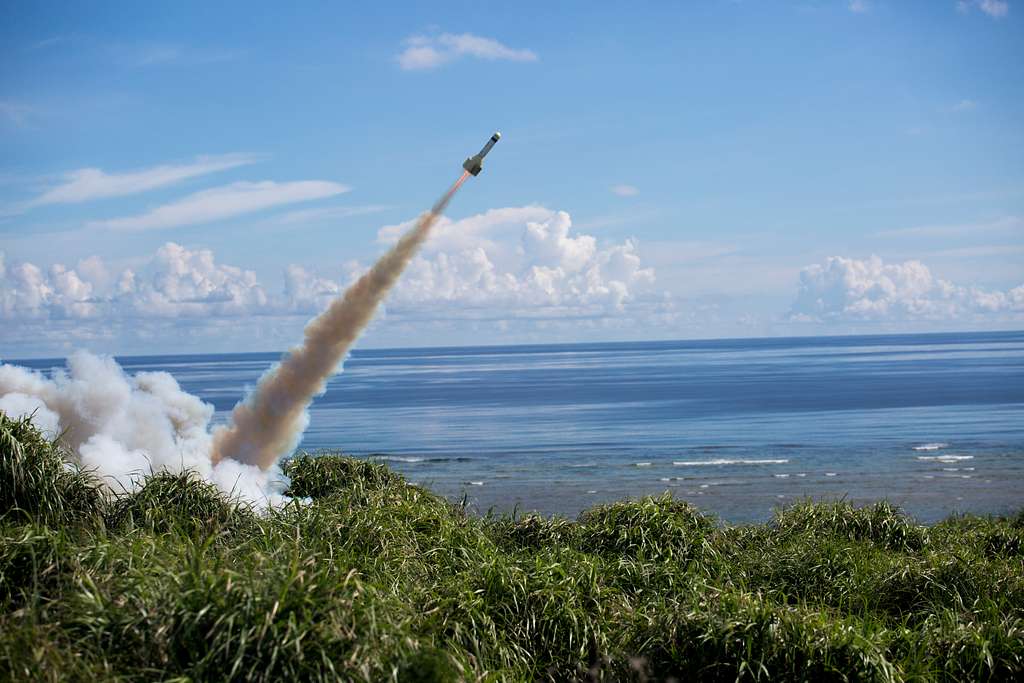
{"x":269,"y":424}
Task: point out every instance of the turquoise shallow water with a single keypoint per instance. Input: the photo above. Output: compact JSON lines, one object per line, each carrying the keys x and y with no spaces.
{"x":933,"y":422}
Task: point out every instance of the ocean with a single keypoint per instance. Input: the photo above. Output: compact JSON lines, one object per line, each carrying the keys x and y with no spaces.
{"x":932,"y":422}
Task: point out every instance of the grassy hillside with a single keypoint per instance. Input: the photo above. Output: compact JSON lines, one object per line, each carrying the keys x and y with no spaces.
{"x":374,"y":579}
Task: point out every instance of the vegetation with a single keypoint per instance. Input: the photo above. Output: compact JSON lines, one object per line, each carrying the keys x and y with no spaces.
{"x":369,"y":578}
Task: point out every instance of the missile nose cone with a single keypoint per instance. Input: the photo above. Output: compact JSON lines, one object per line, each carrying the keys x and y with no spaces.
{"x":496,"y":136}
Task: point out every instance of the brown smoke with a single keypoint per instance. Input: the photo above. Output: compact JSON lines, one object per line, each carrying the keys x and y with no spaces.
{"x":270,"y":423}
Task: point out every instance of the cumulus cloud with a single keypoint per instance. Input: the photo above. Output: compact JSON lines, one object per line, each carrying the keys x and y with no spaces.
{"x":186,"y":283}
{"x":842,"y":289}
{"x":306,"y":291}
{"x":228,"y":201}
{"x":993,"y":8}
{"x":430,"y":52}
{"x":177,"y":282}
{"x":87,"y":184}
{"x":28,"y":291}
{"x":509,"y":262}
{"x":518,"y":260}
{"x":624,"y":190}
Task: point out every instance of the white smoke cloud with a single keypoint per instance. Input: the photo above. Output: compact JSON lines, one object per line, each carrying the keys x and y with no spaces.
{"x":17,"y":404}
{"x":123,"y":428}
{"x":842,"y":289}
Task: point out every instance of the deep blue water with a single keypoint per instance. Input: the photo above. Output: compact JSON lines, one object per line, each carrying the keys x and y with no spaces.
{"x":933,"y":422}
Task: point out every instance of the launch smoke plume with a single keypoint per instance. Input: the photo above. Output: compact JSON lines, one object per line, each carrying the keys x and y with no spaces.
{"x":270,"y":422}
{"x":123,"y":427}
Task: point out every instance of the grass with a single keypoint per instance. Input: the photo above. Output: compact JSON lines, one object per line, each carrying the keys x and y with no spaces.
{"x":368,"y":578}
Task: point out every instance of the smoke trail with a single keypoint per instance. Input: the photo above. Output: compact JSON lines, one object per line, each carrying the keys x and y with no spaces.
{"x":270,"y":423}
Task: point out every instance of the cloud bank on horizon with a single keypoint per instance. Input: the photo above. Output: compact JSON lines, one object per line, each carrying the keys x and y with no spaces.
{"x":846,"y":289}
{"x":511,"y":267}
{"x":504,"y":261}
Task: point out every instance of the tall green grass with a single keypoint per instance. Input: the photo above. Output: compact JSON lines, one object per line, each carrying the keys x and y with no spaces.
{"x":365,"y":577}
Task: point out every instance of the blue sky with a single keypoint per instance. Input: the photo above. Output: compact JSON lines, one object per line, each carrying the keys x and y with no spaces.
{"x":196,"y":177}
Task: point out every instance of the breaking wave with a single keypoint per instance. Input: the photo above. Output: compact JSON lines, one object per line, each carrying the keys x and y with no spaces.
{"x":728,"y":461}
{"x":945,"y":458}
{"x":931,"y":446}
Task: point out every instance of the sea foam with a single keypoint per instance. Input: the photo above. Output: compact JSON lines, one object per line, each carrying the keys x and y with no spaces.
{"x":727,"y":461}
{"x":945,"y":458}
{"x":398,"y":458}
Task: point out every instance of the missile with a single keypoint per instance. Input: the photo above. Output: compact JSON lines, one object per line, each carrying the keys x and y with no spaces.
{"x":475,"y":163}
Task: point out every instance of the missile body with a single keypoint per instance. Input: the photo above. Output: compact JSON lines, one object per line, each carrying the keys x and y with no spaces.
{"x":475,"y":163}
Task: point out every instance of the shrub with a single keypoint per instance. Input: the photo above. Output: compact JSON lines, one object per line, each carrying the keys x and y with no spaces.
{"x":38,"y":481}
{"x":367,"y":578}
{"x":1004,"y":543}
{"x":982,"y":644}
{"x":178,"y":502}
{"x":533,"y":532}
{"x":32,"y":560}
{"x":550,"y":613}
{"x":882,"y":524}
{"x":325,"y":475}
{"x":727,"y":636}
{"x":653,"y":528}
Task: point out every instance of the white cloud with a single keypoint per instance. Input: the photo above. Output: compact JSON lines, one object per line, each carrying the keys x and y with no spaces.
{"x":176,"y":282}
{"x":228,"y":201}
{"x":307,"y":292}
{"x":624,"y":190}
{"x":167,"y":54}
{"x":328,"y":213}
{"x":187,"y":283}
{"x":417,"y":57}
{"x":842,"y":290}
{"x":964,"y":105}
{"x":15,"y":112}
{"x":87,"y":184}
{"x":503,"y":264}
{"x":993,"y":8}
{"x":859,"y":6}
{"x":29,"y":292}
{"x":1006,"y":224}
{"x":518,"y":261}
{"x":429,"y":52}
